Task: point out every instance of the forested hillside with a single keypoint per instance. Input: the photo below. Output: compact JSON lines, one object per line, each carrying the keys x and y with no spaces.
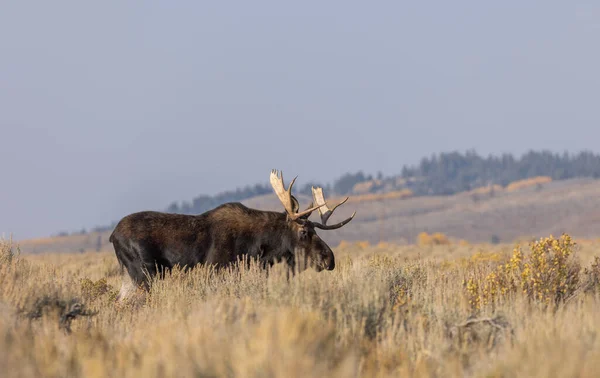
{"x":443,"y":174}
{"x":446,"y":173}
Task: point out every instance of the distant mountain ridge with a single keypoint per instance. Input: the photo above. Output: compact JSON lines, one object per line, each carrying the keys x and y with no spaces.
{"x":529,"y":209}
{"x":441,"y":174}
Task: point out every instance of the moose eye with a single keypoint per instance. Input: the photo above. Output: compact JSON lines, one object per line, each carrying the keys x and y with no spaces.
{"x":303,"y":233}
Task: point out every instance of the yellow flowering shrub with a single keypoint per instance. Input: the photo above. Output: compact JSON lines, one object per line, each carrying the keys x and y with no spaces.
{"x":343,"y":244}
{"x":464,"y":243}
{"x":423,"y":239}
{"x":92,"y":290}
{"x":438,"y":238}
{"x":362,"y":244}
{"x":592,"y":275}
{"x":548,"y":274}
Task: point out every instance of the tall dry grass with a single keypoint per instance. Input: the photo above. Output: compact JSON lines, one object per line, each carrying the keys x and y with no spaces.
{"x":384,"y":311}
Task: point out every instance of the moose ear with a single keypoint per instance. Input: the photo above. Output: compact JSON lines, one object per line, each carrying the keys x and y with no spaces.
{"x":296,"y":208}
{"x":295,"y":204}
{"x":306,"y":216}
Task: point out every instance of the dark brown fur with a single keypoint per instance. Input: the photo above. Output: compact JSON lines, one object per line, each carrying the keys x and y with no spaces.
{"x":149,"y":242}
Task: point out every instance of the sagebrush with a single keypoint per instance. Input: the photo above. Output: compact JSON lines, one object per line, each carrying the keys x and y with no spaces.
{"x":384,"y":311}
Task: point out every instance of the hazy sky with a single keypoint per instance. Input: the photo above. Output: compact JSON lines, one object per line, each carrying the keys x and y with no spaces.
{"x":110,"y":107}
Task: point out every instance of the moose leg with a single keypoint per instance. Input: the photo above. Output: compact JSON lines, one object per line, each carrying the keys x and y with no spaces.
{"x":290,"y":260}
{"x":127,"y":287}
{"x":130,"y":259}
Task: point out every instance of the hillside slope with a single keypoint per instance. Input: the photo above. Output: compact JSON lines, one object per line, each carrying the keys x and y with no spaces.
{"x":571,"y":206}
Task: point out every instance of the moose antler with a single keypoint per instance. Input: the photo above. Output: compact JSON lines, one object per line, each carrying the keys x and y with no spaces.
{"x":285,"y":195}
{"x":325,"y":212}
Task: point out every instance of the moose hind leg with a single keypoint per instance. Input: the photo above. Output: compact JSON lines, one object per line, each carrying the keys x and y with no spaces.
{"x":130,"y":259}
{"x":127,"y":287}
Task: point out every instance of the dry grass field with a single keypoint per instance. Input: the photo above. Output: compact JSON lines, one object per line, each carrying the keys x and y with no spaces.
{"x":385,"y":311}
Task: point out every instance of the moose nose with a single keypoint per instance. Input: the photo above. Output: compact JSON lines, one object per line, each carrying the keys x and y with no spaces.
{"x":331,"y":265}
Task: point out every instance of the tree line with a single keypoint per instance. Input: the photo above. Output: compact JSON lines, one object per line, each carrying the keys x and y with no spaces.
{"x":446,"y":173}
{"x":450,"y":173}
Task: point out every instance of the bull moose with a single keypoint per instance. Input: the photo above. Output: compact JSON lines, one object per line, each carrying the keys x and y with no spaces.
{"x":150,"y":242}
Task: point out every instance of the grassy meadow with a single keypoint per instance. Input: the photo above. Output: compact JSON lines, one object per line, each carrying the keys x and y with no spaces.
{"x":385,"y":311}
